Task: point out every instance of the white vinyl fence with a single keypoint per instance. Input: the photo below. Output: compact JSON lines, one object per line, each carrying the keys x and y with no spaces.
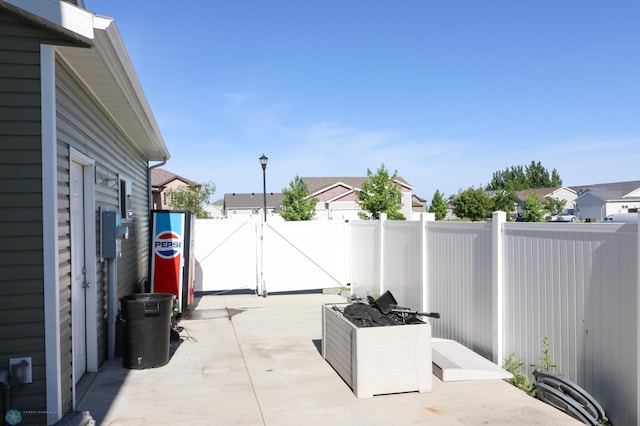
{"x":461,"y":284}
{"x":578,"y":285}
{"x":500,"y":287}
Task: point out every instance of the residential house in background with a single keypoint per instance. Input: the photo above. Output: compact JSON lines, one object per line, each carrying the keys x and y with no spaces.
{"x":567,"y":194}
{"x":418,"y":205}
{"x":163,"y":181}
{"x":216,"y":209}
{"x":236,"y":205}
{"x":77,"y":136}
{"x":337,"y":198}
{"x":596,"y":202}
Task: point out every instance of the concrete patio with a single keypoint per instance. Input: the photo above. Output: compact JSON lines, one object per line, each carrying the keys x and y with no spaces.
{"x":248,"y":360}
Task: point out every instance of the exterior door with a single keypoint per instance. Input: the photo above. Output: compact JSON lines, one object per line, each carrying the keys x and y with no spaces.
{"x":78,"y":271}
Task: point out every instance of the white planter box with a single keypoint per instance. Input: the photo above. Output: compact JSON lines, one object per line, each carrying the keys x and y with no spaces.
{"x":377,"y":360}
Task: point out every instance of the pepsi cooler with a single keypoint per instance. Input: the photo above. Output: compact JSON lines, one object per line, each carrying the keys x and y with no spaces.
{"x":171,"y":261}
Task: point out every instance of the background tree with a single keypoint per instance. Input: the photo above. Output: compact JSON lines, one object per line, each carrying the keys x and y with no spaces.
{"x":538,"y":176}
{"x":438,"y":206}
{"x":472,"y":204}
{"x":504,"y":200}
{"x":533,"y":210}
{"x":513,"y":179}
{"x":193,"y":198}
{"x":517,"y":178}
{"x":555,"y":179}
{"x":380,"y":194}
{"x":553,"y":206}
{"x":296,"y":203}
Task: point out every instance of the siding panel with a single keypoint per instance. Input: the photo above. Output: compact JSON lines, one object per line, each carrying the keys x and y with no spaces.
{"x":83,"y":125}
{"x":21,"y":282}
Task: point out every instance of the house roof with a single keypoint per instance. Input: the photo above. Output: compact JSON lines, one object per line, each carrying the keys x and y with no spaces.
{"x":610,"y":191}
{"x":253,"y":200}
{"x":417,"y":201}
{"x":104,"y":67}
{"x":316,"y":184}
{"x":542,"y":192}
{"x":161,"y":177}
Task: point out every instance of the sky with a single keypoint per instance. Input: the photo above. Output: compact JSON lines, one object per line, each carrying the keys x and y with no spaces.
{"x":445,"y":92}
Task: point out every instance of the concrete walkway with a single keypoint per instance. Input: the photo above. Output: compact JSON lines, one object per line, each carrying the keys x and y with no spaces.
{"x":248,"y":360}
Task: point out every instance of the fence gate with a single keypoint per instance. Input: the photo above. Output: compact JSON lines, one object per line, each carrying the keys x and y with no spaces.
{"x":275,"y":256}
{"x":226,"y":255}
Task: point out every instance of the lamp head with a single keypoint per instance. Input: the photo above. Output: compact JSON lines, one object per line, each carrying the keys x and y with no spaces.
{"x":263,"y":161}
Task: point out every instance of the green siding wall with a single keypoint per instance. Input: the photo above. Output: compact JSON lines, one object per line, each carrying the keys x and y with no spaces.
{"x":21,"y":263}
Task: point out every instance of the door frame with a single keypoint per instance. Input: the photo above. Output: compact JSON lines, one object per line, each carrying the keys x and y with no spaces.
{"x":90,"y":248}
{"x":77,"y":221}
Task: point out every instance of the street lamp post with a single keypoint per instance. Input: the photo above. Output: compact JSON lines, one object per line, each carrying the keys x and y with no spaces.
{"x":263,"y":162}
{"x":262,"y":290}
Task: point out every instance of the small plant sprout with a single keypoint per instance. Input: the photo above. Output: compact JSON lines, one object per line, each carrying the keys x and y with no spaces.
{"x":546,"y":360}
{"x":513,"y":365}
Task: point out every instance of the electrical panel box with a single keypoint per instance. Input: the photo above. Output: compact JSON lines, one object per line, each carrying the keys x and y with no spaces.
{"x":111,"y":234}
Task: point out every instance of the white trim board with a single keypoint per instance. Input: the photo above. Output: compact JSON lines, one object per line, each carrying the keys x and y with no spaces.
{"x":50,"y":235}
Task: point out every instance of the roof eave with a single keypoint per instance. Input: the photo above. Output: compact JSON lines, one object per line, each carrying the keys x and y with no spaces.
{"x":403,"y":183}
{"x":105,"y":67}
{"x":333,"y":185}
{"x":109,"y":75}
{"x":64,"y":18}
{"x":102,"y":64}
{"x":339,"y":196}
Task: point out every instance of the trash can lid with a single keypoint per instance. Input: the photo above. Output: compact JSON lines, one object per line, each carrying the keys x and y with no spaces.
{"x":147,"y":297}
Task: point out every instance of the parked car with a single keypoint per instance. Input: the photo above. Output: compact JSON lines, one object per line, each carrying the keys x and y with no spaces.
{"x":561,"y":218}
{"x":622,"y":218}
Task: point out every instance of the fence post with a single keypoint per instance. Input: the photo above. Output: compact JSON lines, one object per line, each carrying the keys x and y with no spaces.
{"x":424,"y":260}
{"x":383,"y":218}
{"x":499,"y":218}
{"x":637,"y":414}
{"x":348,"y":266}
{"x":262,"y":285}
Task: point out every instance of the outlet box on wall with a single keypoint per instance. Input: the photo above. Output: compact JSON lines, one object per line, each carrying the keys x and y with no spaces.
{"x":28,"y":371}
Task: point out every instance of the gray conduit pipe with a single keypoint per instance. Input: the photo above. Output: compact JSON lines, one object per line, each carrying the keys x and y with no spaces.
{"x":5,"y":380}
{"x":112,"y":304}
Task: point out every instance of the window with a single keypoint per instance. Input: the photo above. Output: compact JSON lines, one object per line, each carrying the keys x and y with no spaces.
{"x":125,"y":192}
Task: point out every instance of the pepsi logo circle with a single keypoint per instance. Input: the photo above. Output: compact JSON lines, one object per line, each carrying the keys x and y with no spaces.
{"x":167,"y":245}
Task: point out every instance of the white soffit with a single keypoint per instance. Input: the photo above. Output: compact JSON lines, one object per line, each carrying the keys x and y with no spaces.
{"x":107,"y":72}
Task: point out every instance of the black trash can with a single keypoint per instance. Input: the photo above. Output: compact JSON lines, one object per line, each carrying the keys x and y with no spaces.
{"x":147,"y":327}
